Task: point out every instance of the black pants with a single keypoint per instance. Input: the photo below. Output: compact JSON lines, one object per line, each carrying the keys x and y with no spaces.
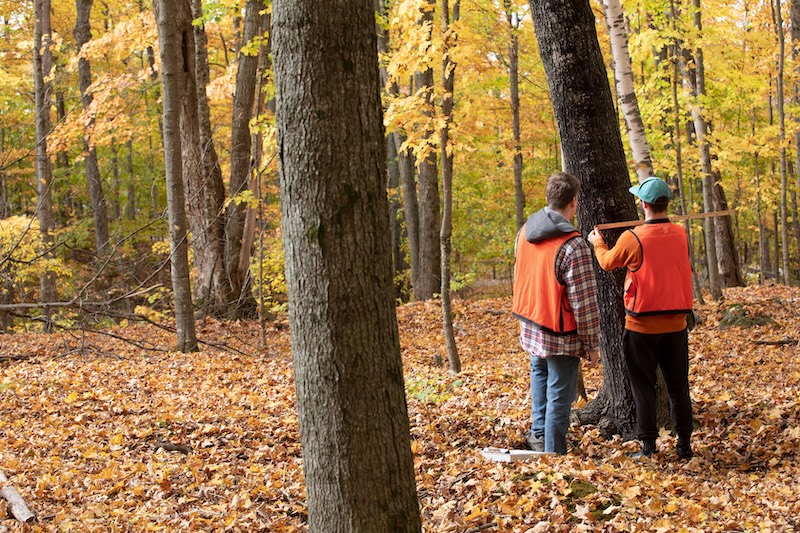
{"x":644,"y":353}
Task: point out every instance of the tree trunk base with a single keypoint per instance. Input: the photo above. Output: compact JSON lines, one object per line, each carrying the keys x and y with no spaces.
{"x":609,"y":417}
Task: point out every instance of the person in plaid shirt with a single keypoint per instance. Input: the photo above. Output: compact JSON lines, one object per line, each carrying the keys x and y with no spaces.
{"x":555,"y":300}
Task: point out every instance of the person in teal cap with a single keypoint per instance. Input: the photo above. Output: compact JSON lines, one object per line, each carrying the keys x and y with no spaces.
{"x":657,"y":298}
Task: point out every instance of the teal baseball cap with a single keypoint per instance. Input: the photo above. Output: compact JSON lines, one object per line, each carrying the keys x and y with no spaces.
{"x":651,"y":190}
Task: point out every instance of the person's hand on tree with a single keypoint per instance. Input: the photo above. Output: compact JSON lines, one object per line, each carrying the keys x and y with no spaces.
{"x":594,"y":236}
{"x":594,"y":357}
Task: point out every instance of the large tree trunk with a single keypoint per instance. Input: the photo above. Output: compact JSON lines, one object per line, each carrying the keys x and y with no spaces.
{"x":448,"y":84}
{"x":173,"y":20}
{"x":42,"y":63}
{"x":83,"y":35}
{"x":241,"y":298}
{"x":203,"y":179}
{"x":626,"y":94}
{"x":593,"y":151}
{"x":430,"y":255}
{"x":354,"y":425}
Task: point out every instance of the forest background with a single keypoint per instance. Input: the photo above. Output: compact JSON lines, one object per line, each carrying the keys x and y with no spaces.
{"x":87,"y":215}
{"x":104,"y":242}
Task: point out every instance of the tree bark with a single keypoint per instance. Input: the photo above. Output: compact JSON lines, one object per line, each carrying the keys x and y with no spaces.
{"x":430,"y":256}
{"x":354,"y":425}
{"x":399,"y":265}
{"x":448,"y":84}
{"x":696,"y":83}
{"x":241,"y":298}
{"x":676,"y":112}
{"x":203,"y":178}
{"x":130,"y":210}
{"x":83,"y":34}
{"x":593,"y":152}
{"x":43,"y":90}
{"x":172,"y":17}
{"x":787,"y":273}
{"x":626,"y":93}
{"x":795,"y":24}
{"x":513,"y":79}
{"x":408,"y":186}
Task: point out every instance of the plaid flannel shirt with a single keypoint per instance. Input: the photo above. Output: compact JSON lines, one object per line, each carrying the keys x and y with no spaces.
{"x":574,"y":269}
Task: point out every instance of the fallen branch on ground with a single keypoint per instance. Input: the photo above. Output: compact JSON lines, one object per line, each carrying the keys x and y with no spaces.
{"x":781,"y":342}
{"x":16,"y":505}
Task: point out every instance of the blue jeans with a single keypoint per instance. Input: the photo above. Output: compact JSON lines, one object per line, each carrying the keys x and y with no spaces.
{"x":553,"y":386}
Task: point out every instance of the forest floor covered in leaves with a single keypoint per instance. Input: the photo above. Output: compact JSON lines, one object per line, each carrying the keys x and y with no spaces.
{"x":99,"y":435}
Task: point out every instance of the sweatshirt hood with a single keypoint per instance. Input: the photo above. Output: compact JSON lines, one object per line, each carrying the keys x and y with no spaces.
{"x":546,"y":224}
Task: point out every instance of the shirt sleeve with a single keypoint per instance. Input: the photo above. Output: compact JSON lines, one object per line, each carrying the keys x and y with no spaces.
{"x":575,"y":271}
{"x":627,"y":253}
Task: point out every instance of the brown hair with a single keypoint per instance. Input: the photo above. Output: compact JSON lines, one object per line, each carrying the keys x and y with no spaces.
{"x":561,"y":189}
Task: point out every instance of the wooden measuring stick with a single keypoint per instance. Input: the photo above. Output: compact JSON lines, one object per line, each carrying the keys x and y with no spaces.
{"x":631,"y":223}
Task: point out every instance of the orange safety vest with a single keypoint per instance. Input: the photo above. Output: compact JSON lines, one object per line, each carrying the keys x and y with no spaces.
{"x":662,"y":285}
{"x":539,"y":297}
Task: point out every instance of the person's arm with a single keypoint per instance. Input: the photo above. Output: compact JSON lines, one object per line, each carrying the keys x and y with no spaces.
{"x":626,"y":253}
{"x":577,"y":274}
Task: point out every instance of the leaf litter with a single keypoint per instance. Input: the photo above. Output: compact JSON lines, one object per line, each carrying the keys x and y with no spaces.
{"x":122,"y":439}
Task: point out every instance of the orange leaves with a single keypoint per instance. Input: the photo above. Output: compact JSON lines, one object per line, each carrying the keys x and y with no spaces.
{"x":78,"y":434}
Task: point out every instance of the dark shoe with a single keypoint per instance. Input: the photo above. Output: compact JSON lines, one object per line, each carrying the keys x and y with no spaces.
{"x":648,"y":449}
{"x":534,"y":443}
{"x":684,"y":449}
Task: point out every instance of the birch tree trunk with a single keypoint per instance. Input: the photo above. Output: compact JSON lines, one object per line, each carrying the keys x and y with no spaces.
{"x":83,"y":34}
{"x":626,"y":93}
{"x":203,"y":177}
{"x":354,"y":424}
{"x":43,"y":90}
{"x":593,"y":152}
{"x":171,"y":21}
{"x":448,"y":83}
{"x":241,"y":298}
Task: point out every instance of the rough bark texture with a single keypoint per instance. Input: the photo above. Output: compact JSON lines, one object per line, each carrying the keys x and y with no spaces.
{"x":171,"y":18}
{"x":727,"y":257}
{"x":623,"y":76}
{"x":83,"y":34}
{"x":241,"y":298}
{"x":429,"y":280}
{"x":593,"y":152}
{"x":358,"y":465}
{"x":203,"y":177}
{"x":42,"y":63}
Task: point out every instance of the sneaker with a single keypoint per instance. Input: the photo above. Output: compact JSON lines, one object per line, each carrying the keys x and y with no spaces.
{"x":535,"y":443}
{"x":648,"y":449}
{"x":684,"y":448}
